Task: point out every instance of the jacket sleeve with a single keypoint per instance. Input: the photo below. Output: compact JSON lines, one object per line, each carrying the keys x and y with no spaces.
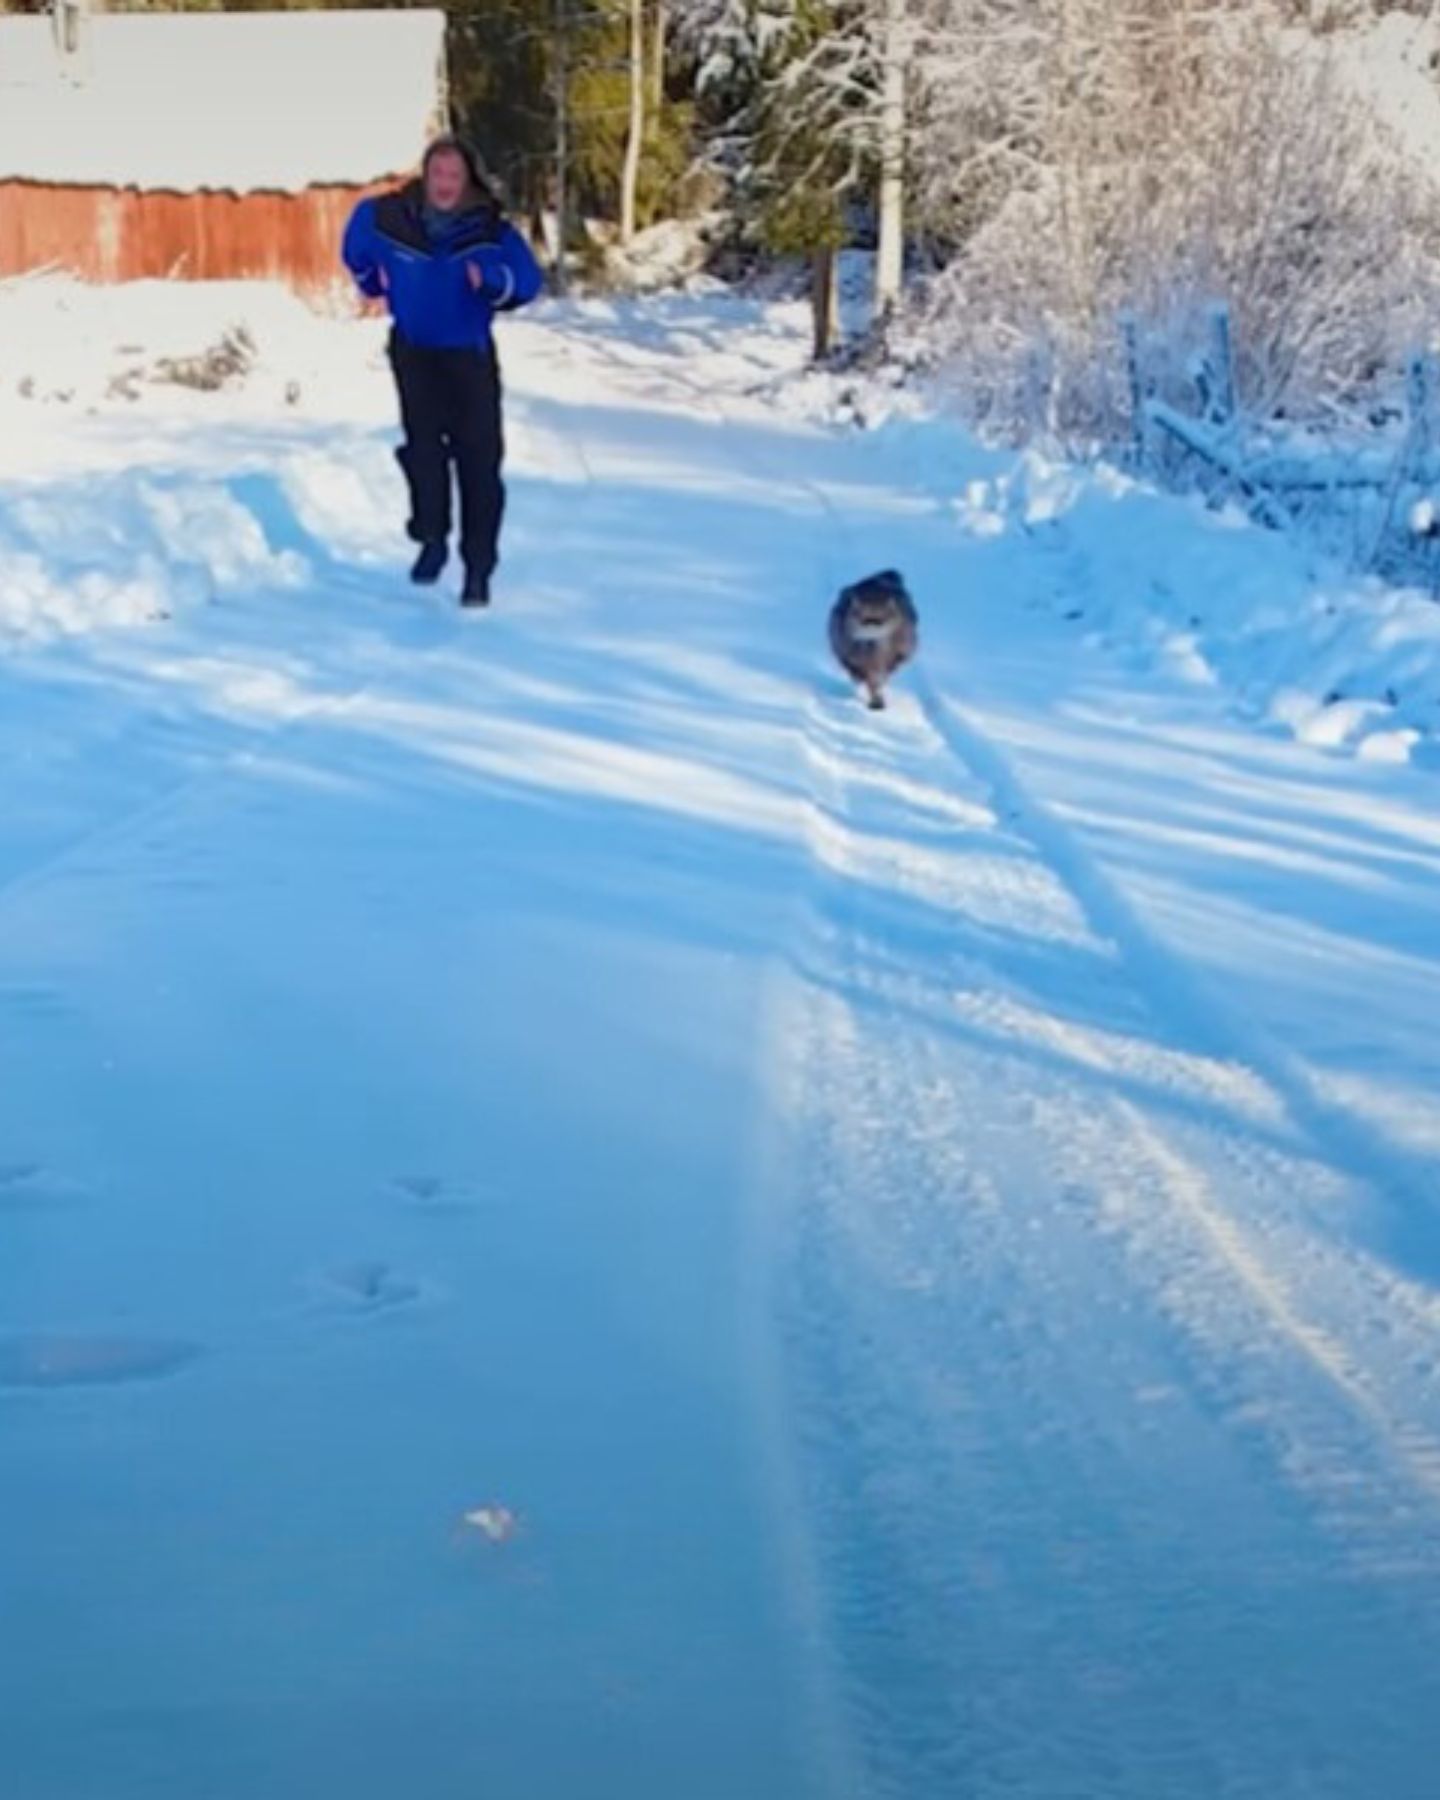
{"x":512,"y":277}
{"x":361,"y":251}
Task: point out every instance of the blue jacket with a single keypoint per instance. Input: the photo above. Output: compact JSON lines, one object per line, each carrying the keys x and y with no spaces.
{"x":392,"y":250}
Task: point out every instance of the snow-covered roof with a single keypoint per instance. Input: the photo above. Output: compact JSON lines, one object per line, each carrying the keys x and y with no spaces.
{"x":233,"y":102}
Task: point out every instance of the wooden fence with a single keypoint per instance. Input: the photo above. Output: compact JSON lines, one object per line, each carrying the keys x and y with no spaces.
{"x":1382,"y":499}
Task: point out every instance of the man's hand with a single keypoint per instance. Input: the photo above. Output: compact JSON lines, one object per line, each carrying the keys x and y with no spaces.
{"x":489,"y":276}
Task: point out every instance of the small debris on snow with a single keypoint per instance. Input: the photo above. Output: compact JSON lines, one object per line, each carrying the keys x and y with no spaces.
{"x":437,"y":1194}
{"x":496,"y":1524}
{"x":229,"y":360}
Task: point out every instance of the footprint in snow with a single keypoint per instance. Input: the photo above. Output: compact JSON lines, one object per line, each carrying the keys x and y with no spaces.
{"x":368,"y":1287}
{"x":31,"y":1187}
{"x":68,"y":1359}
{"x":436,"y":1194}
{"x":34,"y":1002}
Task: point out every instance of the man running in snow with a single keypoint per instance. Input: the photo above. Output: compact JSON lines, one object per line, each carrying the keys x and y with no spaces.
{"x":446,"y":262}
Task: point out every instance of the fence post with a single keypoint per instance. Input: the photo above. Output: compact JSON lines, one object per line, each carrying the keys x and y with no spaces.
{"x":1408,"y":466}
{"x":1039,"y":400}
{"x":1221,"y":362}
{"x":1130,"y":333}
{"x":1419,"y":397}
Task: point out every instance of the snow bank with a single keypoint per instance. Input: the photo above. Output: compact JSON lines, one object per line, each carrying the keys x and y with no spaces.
{"x":1343,"y":663}
{"x":120,"y":501}
{"x":127,"y":551}
{"x":64,"y":343}
{"x":666,"y":255}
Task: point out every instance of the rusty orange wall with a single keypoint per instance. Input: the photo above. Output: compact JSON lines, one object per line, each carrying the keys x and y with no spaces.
{"x":106,"y":234}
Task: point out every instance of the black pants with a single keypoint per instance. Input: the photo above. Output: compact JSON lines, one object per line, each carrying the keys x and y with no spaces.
{"x":450,"y":409}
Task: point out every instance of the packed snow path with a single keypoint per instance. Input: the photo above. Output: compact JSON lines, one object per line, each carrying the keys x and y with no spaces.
{"x":582,"y":1219}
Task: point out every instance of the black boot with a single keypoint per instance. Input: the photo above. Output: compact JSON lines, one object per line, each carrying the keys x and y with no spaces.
{"x":476,"y":591}
{"x":431,"y":560}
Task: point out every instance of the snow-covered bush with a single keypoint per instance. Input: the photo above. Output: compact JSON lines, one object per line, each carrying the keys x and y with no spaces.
{"x":1157,"y":160}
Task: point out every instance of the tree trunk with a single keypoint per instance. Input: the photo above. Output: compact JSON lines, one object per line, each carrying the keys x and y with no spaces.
{"x":562,"y":145}
{"x":890,"y":257}
{"x":824,"y":302}
{"x":634,"y":138}
{"x":657,"y":58}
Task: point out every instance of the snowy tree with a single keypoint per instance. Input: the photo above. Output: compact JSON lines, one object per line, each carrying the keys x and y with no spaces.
{"x":1131,"y":154}
{"x":819,"y":120}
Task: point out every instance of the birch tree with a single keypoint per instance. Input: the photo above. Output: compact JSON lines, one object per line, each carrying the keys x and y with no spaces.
{"x":895,"y":60}
{"x":635,"y":134}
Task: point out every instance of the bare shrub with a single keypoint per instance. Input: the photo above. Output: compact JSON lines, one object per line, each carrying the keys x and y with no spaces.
{"x":229,"y":360}
{"x":1158,"y":159}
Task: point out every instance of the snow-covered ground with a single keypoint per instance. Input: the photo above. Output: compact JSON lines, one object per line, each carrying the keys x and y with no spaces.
{"x":581,"y":1217}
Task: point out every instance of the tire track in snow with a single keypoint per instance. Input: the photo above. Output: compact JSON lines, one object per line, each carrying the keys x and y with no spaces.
{"x":838,"y":1762}
{"x":1414,"y":1449}
{"x":1034,"y":894}
{"x":1344,"y":1139}
{"x":1367,"y":1296}
{"x":997,"y":1400}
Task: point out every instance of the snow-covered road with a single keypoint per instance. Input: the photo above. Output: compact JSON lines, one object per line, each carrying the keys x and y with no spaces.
{"x":581,"y":1219}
